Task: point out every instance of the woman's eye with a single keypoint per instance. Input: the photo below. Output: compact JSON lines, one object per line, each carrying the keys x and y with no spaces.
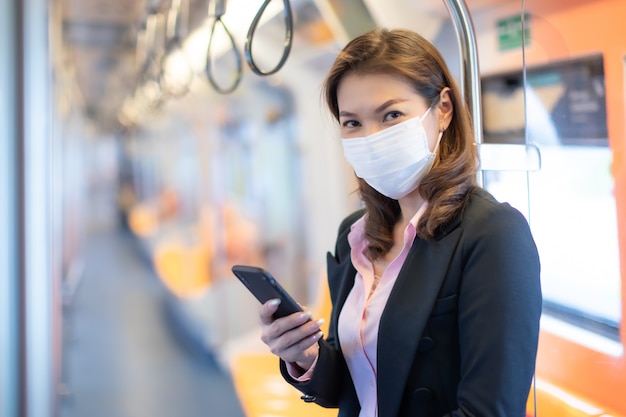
{"x":392,"y":115}
{"x":350,"y":123}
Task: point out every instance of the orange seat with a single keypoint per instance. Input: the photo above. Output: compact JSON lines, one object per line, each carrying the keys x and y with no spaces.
{"x":183,"y":269}
{"x":260,"y":386}
{"x":143,"y":220}
{"x":263,"y":391}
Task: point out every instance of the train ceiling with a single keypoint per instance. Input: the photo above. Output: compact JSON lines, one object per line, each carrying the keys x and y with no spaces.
{"x":100,"y":41}
{"x":100,"y":37}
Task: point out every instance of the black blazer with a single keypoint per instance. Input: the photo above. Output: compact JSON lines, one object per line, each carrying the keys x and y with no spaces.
{"x":458,"y":336}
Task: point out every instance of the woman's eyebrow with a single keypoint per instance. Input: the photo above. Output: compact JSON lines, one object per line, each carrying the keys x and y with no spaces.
{"x":378,"y":109}
{"x":344,"y":113}
{"x":389,"y":103}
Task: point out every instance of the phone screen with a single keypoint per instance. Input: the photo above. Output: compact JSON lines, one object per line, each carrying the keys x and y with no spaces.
{"x":264,"y":287}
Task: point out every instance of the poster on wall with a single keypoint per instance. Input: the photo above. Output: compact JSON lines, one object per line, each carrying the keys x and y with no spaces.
{"x":565,"y":104}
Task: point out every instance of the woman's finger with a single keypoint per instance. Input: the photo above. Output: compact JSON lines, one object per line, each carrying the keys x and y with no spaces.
{"x":301,"y":352}
{"x":293,"y":338}
{"x":267,"y":310}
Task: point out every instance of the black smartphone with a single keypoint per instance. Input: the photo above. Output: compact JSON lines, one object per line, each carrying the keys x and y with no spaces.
{"x":264,"y":287}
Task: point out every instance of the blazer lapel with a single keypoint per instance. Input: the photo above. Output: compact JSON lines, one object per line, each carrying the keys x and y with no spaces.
{"x":341,"y":280}
{"x":405,"y":316}
{"x":341,"y":272}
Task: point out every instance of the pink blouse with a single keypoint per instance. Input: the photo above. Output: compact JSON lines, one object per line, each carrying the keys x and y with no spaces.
{"x":359,"y":342}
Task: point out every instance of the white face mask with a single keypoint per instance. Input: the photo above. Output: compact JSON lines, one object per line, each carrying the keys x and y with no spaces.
{"x":394,"y":160}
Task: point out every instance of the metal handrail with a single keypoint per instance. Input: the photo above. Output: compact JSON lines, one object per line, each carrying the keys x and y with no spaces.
{"x":470,"y":76}
{"x":470,"y":79}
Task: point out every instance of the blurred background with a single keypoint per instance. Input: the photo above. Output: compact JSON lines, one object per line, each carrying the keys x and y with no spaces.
{"x":147,"y":146}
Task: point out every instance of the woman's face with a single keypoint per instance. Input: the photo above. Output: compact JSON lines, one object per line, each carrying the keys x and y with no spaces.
{"x":373,"y":102}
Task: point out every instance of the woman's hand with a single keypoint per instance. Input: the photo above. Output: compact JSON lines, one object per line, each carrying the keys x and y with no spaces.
{"x":293,"y":338}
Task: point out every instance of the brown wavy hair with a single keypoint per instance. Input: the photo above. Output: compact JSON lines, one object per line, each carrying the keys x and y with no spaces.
{"x":447,"y":186}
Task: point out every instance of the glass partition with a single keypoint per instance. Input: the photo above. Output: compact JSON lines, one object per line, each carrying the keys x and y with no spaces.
{"x":551,"y":82}
{"x":566,"y":120}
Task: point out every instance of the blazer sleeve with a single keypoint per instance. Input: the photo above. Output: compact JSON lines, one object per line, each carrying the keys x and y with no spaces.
{"x":325,"y":385}
{"x":499,"y":310}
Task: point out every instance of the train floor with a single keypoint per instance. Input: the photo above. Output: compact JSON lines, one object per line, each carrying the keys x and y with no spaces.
{"x":122,"y":354}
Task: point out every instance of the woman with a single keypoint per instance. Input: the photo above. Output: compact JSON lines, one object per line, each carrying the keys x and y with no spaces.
{"x":435,"y":285}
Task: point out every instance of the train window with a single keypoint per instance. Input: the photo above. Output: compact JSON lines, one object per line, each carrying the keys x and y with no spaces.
{"x":570,"y":202}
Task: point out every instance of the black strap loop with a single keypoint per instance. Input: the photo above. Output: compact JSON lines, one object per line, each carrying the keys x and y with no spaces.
{"x":208,"y":69}
{"x":288,"y":38}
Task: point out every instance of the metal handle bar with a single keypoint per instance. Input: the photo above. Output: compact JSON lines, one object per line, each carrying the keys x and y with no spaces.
{"x":470,"y":81}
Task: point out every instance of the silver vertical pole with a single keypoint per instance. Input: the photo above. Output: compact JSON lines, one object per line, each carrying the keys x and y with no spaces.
{"x":37,"y":287}
{"x":9,"y":295}
{"x":470,"y":76}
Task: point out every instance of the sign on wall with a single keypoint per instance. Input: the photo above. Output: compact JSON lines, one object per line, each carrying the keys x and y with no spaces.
{"x":510,"y":33}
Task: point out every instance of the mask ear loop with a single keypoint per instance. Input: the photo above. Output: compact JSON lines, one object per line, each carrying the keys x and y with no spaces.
{"x":438,"y":142}
{"x":443,"y":129}
{"x":434,"y":152}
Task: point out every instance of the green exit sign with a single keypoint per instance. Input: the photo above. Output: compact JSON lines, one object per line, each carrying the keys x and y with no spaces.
{"x":510,"y":35}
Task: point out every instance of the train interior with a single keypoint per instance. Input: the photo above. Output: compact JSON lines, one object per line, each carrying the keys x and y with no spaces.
{"x":153,"y":144}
